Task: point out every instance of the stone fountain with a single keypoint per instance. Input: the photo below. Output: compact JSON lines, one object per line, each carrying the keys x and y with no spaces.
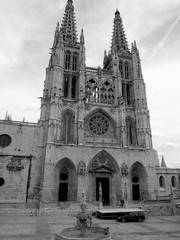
{"x":84,"y":229}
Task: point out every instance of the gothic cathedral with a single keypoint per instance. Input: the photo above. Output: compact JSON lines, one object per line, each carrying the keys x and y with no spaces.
{"x":94,"y":125}
{"x":94,"y":128}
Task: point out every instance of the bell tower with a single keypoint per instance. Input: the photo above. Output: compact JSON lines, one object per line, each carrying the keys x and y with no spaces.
{"x":130,"y":88}
{"x":63,"y":87}
{"x":62,"y":106}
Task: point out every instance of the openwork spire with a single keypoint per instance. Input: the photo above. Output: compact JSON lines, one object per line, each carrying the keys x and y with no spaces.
{"x":119,"y":42}
{"x":69,"y":24}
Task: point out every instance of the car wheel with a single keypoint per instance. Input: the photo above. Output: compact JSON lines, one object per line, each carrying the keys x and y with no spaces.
{"x":140,"y":220}
{"x":123,"y":220}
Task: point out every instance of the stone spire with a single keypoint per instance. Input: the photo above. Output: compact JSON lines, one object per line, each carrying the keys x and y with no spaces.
{"x":82,"y":37}
{"x":163,"y":163}
{"x":69,"y":24}
{"x":56,"y":36}
{"x":137,"y":72}
{"x":119,"y":42}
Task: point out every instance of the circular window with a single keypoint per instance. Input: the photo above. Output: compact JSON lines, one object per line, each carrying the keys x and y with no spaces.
{"x":5,"y":140}
{"x":1,"y":181}
{"x":98,"y":125}
{"x":135,"y":179}
{"x":64,"y":176}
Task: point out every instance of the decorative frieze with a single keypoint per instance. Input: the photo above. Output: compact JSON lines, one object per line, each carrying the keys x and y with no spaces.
{"x":68,"y":104}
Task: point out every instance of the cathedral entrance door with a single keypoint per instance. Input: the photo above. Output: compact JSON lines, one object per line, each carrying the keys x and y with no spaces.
{"x":135,"y":191}
{"x":105,"y":190}
{"x":63,"y":192}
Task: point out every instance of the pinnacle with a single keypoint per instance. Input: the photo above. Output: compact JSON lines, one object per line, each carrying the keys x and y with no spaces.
{"x":117,"y":12}
{"x":163,"y":163}
{"x":82,"y":37}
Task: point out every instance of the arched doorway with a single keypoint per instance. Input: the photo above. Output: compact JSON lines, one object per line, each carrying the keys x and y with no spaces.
{"x":63,"y":184}
{"x":103,"y":170}
{"x":65,"y":187}
{"x":139,"y":180}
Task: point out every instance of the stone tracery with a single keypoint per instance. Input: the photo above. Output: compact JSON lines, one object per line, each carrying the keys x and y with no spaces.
{"x":100,"y":92}
{"x":98,"y":124}
{"x":102,"y":161}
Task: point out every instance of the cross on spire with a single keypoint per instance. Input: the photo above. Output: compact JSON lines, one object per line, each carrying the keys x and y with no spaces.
{"x":69,"y":24}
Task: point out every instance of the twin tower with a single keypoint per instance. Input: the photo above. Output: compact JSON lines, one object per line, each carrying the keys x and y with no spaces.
{"x":94,"y":124}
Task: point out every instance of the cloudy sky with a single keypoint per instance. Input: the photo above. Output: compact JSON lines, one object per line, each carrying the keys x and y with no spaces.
{"x":27,"y":30}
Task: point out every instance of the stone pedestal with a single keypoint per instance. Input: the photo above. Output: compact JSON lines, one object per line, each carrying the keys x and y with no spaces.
{"x":93,"y":233}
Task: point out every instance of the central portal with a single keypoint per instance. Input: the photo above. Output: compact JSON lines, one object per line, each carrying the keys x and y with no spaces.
{"x":135,"y":191}
{"x":105,"y":190}
{"x":63,"y":192}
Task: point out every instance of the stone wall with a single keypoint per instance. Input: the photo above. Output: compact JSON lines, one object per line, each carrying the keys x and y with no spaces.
{"x":14,"y":188}
{"x":168,"y":187}
{"x":160,"y":209}
{"x":16,"y":160}
{"x":24,"y":138}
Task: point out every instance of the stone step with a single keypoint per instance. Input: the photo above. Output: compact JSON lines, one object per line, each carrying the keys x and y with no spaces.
{"x":71,"y":209}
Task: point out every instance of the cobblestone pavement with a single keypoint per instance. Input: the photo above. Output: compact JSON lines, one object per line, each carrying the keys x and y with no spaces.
{"x":44,"y":227}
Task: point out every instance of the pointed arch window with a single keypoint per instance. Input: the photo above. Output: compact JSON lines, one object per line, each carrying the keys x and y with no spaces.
{"x":103,"y":93}
{"x":66,"y":86}
{"x":131,"y":132}
{"x":67,"y":127}
{"x":121,"y":68}
{"x":161,"y":182}
{"x":88,"y":94}
{"x":126,"y":70}
{"x":128,"y":94}
{"x":123,"y":91}
{"x":73,"y":89}
{"x":173,"y":181}
{"x":75,"y":62}
{"x":64,"y":174}
{"x":67,"y":60}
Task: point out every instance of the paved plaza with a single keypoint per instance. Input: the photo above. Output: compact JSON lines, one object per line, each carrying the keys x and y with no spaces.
{"x":14,"y":227}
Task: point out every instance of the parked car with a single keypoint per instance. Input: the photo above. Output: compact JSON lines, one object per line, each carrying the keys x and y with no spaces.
{"x":131,"y":216}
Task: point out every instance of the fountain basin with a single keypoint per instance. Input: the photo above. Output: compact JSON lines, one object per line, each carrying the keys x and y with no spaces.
{"x":92,"y":233}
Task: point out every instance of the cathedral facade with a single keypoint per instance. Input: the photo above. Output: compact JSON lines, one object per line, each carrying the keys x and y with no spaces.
{"x":94,"y":130}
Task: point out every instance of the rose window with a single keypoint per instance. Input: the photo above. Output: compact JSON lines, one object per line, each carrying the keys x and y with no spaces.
{"x":98,"y":125}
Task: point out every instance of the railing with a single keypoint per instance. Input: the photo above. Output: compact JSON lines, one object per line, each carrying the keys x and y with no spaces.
{"x":10,"y":122}
{"x":137,"y":147}
{"x":60,"y":142}
{"x":102,"y":144}
{"x":98,"y":71}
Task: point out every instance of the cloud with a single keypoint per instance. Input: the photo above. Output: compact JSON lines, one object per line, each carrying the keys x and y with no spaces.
{"x":27,"y":30}
{"x":157,"y":134}
{"x":171,"y":144}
